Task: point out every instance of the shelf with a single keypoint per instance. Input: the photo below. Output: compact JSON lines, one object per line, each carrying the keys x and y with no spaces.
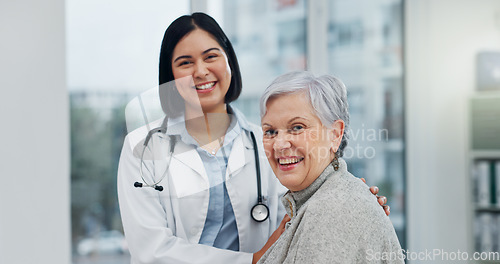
{"x":489,"y":261}
{"x":484,"y":154}
{"x":491,"y":209}
{"x":484,"y":172}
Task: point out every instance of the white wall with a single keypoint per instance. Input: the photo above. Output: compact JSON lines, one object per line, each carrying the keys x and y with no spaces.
{"x":442,"y":40}
{"x":34,"y":152}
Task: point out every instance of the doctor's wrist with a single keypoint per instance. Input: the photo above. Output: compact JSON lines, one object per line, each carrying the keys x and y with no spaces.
{"x":257,"y":255}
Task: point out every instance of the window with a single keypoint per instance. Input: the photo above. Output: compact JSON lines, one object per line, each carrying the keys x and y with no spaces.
{"x":112,"y":51}
{"x":269,"y":38}
{"x":365,"y":47}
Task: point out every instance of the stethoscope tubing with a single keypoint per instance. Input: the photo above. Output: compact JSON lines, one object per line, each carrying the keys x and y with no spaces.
{"x":163,"y":129}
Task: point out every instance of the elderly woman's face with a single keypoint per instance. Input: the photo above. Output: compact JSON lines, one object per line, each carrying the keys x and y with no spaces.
{"x":297,"y":144}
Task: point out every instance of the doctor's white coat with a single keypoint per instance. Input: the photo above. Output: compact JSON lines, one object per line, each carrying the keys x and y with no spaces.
{"x":165,"y":227}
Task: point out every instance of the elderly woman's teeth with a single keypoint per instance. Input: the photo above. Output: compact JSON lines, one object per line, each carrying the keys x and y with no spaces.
{"x":289,"y":161}
{"x":205,"y":86}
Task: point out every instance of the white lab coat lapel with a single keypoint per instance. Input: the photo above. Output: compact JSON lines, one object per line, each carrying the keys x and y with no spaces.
{"x":237,"y":157}
{"x":188,"y":182}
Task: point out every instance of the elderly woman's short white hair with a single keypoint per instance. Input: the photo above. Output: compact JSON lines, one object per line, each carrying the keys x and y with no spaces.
{"x":327,"y":95}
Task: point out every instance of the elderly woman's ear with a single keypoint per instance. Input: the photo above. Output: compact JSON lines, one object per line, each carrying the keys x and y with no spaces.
{"x":337,"y":134}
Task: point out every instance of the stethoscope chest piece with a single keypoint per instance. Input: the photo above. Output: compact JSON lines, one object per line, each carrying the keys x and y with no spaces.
{"x":260,"y":212}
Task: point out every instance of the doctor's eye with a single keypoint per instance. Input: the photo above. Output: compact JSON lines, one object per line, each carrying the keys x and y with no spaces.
{"x":211,"y":57}
{"x":183,"y":63}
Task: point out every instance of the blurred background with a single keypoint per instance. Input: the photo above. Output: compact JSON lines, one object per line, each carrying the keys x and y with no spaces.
{"x":423,"y":81}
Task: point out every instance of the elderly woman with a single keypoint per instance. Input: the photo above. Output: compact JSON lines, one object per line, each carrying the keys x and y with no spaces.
{"x":334,"y":218}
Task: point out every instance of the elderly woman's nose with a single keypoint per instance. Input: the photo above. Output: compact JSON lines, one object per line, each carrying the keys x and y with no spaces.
{"x":282,"y":141}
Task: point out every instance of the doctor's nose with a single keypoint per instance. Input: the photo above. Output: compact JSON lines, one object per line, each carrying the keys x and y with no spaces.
{"x":200,"y":70}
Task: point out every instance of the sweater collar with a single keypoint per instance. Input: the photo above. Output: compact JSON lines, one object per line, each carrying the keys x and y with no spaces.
{"x":293,"y":201}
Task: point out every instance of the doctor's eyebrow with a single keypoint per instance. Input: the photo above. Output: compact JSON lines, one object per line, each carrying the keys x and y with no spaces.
{"x":210,"y":49}
{"x":203,"y":53}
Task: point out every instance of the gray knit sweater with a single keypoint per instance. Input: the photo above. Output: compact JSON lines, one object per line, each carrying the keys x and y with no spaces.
{"x":335,"y":220}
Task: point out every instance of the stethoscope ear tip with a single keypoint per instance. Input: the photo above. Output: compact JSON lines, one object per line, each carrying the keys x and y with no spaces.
{"x":156,"y":187}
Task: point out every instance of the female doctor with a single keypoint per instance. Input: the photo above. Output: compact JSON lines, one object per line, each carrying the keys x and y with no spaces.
{"x":209,"y":172}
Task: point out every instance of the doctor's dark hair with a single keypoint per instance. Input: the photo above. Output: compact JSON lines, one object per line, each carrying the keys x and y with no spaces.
{"x":327,"y":95}
{"x":171,"y":101}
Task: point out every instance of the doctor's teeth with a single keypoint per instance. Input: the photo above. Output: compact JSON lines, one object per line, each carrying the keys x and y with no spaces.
{"x":289,"y":161}
{"x":205,"y":86}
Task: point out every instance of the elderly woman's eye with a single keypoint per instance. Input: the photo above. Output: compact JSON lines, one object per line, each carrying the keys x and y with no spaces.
{"x":269,"y":133}
{"x":297,"y":128}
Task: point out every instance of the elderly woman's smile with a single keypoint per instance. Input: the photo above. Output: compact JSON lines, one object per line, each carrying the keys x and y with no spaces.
{"x":288,"y":163}
{"x":298,"y":146}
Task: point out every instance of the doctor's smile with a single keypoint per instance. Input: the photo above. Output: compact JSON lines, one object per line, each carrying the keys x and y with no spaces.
{"x":205,"y":87}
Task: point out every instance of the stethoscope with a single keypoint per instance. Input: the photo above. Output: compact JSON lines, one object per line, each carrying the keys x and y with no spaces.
{"x":259,"y":212}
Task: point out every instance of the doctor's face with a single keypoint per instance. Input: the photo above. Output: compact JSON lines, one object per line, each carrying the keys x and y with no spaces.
{"x":199,"y":57}
{"x":297,"y":144}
